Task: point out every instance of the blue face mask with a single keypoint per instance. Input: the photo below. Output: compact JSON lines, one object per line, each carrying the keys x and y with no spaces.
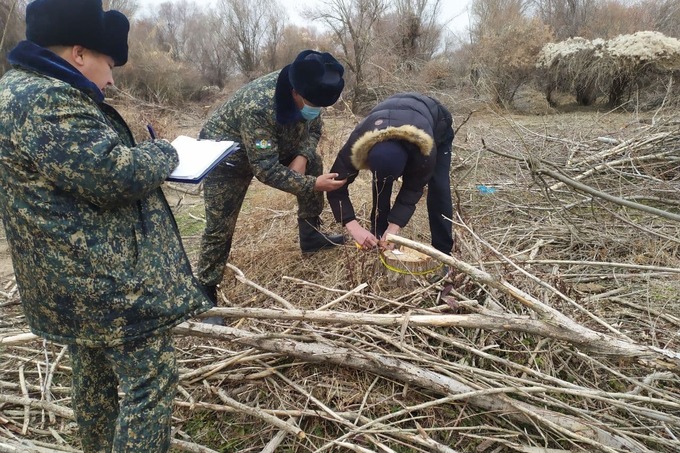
{"x":309,"y":113}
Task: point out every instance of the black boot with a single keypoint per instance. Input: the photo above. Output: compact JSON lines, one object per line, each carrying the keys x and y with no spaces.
{"x":313,"y":240}
{"x":211,"y":292}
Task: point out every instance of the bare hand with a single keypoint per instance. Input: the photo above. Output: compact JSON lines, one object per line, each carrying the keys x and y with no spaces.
{"x":299,"y":165}
{"x":384,"y":245}
{"x":328,"y":183}
{"x":364,"y":238}
{"x":392,"y":228}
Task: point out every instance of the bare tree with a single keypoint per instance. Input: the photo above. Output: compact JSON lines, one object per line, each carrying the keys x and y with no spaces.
{"x":611,"y":18}
{"x":606,"y":18}
{"x":152,"y":74}
{"x":274,"y":31}
{"x":666,"y":16}
{"x":249,"y":27}
{"x":352,"y":23}
{"x":175,"y":22}
{"x":506,"y":44}
{"x":567,"y":18}
{"x":206,"y":51}
{"x":294,"y":39}
{"x":490,"y":15}
{"x":128,"y":7}
{"x":419,"y":28}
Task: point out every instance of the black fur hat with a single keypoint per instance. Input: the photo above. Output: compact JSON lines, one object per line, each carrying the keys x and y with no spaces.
{"x":78,"y":22}
{"x":317,"y":77}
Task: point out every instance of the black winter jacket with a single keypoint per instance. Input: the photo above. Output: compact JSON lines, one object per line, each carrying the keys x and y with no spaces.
{"x":419,"y":120}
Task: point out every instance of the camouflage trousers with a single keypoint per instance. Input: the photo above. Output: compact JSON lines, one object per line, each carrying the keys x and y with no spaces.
{"x":224,"y":191}
{"x":146,"y":371}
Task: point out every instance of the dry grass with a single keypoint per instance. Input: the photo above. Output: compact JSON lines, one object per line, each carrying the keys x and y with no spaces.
{"x":345,"y":408}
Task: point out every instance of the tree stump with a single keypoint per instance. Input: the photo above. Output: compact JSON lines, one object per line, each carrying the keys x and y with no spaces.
{"x":401,"y":266}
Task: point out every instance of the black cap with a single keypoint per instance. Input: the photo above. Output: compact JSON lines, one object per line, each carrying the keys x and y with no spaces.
{"x":317,"y":77}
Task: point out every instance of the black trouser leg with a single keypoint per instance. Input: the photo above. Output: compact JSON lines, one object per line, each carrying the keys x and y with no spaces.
{"x":439,"y":203}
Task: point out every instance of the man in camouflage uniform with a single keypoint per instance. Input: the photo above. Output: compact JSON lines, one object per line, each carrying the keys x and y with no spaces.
{"x":96,"y":251}
{"x":275,"y":119}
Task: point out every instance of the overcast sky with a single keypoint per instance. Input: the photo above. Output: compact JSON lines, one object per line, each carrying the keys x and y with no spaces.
{"x":454,"y":11}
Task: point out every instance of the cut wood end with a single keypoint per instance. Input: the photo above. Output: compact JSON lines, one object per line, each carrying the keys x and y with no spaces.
{"x":404,"y":263}
{"x":407,"y":255}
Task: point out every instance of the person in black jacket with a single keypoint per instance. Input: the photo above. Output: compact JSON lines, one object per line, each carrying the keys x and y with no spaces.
{"x":409,"y":135}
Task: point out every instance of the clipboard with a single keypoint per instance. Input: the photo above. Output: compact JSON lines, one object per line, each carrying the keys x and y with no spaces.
{"x":198,"y":157}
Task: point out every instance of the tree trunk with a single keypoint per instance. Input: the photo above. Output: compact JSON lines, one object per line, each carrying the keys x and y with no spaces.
{"x":401,"y":267}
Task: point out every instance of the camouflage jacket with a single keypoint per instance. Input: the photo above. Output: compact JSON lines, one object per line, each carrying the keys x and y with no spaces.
{"x":420,"y":121}
{"x":96,"y":252}
{"x":249,"y":117}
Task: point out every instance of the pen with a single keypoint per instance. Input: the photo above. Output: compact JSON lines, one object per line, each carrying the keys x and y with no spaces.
{"x":152,"y":133}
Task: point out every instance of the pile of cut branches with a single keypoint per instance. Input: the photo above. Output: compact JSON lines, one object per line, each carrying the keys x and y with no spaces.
{"x":555,"y":329}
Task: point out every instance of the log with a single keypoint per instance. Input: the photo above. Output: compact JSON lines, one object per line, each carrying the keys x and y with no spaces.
{"x":18,"y":339}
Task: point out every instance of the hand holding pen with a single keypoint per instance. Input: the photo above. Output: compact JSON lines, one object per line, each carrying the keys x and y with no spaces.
{"x":152,"y":132}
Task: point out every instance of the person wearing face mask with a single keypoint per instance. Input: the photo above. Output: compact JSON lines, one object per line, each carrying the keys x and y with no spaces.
{"x":276,"y":121}
{"x":97,"y":255}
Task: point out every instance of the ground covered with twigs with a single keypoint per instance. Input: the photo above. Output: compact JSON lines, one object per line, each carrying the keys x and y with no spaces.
{"x":556,"y":329}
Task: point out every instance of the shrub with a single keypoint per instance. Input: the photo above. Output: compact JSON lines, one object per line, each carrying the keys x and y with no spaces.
{"x":152,"y":75}
{"x":614,"y":67}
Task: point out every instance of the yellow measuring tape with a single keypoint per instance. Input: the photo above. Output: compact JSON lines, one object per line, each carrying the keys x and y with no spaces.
{"x":406,"y":271}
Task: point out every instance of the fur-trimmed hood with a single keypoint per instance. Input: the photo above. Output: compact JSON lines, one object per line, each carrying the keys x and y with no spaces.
{"x":418,"y":137}
{"x":418,"y":122}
